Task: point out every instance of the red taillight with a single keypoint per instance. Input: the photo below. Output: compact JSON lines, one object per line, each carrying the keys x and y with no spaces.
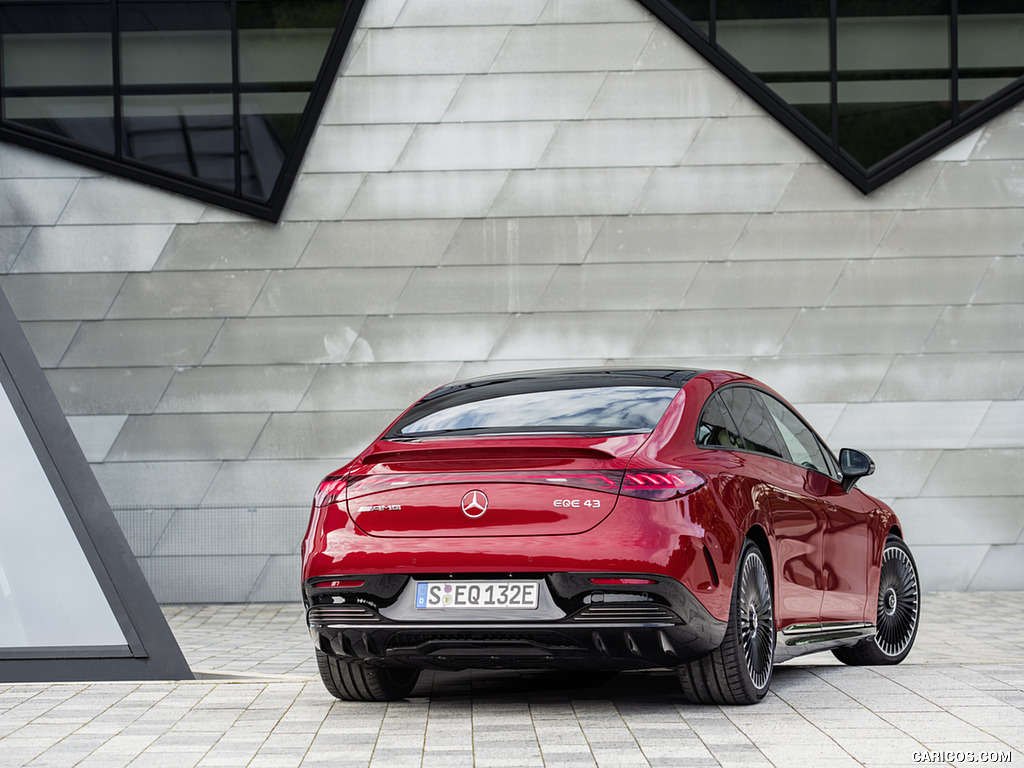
{"x":660,"y":485}
{"x":620,"y":582}
{"x":606,"y":481}
{"x":330,"y":491}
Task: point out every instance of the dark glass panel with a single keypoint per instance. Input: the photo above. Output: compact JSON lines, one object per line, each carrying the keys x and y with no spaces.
{"x":786,"y":44}
{"x":270,"y":122}
{"x":281,"y":47}
{"x":57,"y":71}
{"x":990,"y":48}
{"x":187,"y":135}
{"x":285,"y":41}
{"x":696,"y":11}
{"x":756,"y":426}
{"x":894,"y":74}
{"x":716,"y":427}
{"x":175,"y":46}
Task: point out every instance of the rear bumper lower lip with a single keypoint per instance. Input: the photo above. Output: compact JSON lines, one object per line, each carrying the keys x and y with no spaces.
{"x":595,"y":626}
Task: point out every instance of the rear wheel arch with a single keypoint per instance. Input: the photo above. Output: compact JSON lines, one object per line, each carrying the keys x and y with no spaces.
{"x":758,"y":535}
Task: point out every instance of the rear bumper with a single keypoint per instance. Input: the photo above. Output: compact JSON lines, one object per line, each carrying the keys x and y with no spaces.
{"x":578,"y":625}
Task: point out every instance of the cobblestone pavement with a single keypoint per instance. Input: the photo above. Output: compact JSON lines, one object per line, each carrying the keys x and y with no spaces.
{"x":958,"y":698}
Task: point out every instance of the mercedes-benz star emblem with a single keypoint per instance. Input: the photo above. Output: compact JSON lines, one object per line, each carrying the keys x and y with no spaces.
{"x":474,"y":503}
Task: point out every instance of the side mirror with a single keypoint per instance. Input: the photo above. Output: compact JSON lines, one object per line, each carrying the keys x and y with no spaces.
{"x":854,"y":465}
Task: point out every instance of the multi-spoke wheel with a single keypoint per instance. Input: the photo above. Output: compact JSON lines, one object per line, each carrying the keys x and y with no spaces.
{"x":355,"y":680}
{"x":740,"y":669}
{"x":899,"y":607}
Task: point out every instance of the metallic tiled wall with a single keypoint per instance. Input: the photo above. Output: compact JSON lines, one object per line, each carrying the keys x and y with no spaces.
{"x":519,"y":185}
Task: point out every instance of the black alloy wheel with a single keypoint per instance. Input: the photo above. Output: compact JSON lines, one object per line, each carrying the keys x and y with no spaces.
{"x":740,"y":669}
{"x":899,"y":609}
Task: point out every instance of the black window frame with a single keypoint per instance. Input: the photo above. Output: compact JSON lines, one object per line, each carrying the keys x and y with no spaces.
{"x":116,"y":163}
{"x":827,"y":147}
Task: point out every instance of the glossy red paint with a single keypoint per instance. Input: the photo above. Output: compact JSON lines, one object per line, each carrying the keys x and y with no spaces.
{"x":563,"y":504}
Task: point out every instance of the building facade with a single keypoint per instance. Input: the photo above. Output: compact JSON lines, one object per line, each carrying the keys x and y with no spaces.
{"x":507,"y":185}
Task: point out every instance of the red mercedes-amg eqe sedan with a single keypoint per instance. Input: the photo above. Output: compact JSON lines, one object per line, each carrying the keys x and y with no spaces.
{"x":602,"y":520}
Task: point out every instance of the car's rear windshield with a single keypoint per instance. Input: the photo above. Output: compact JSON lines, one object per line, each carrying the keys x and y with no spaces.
{"x":584,"y":410}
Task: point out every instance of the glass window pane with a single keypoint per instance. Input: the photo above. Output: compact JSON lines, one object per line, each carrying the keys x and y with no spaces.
{"x":36,"y":531}
{"x":991,"y":48}
{"x":716,"y":426}
{"x":696,"y":11}
{"x":894,"y":75}
{"x":786,"y":44}
{"x":189,"y":135}
{"x":175,"y":44}
{"x":756,"y":426}
{"x":269,"y":124}
{"x":800,"y":441}
{"x":285,"y":41}
{"x":58,"y":72}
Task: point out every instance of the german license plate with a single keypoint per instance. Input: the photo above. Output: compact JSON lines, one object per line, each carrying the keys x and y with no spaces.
{"x":522,"y":595}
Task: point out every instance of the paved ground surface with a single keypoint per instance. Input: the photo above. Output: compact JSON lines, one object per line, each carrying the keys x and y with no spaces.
{"x":958,"y":698}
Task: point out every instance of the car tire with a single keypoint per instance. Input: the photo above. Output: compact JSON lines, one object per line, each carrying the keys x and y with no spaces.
{"x":899,"y":611}
{"x":355,"y":680}
{"x":740,"y":669}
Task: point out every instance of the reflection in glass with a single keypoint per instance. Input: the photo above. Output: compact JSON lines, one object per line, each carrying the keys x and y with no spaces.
{"x":696,"y":11}
{"x":619,"y":409}
{"x":211,"y":91}
{"x":990,"y":53}
{"x":786,"y":44}
{"x":185,"y":134}
{"x":57,"y":71}
{"x":894,"y":74}
{"x":49,"y":596}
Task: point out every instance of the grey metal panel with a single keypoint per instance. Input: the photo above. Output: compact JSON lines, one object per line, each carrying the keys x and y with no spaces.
{"x":234,"y":388}
{"x":100,"y":248}
{"x":980,"y":328}
{"x":673,"y":237}
{"x":263,"y":483}
{"x":187,"y":294}
{"x":426,"y":50}
{"x":61,"y":296}
{"x":234,"y":246}
{"x":376,"y":387}
{"x":961,"y":232}
{"x":85,"y":391}
{"x":525,"y":96}
{"x":116,"y":343}
{"x":331,"y":292}
{"x":289,"y":340}
{"x":819,"y":235}
{"x":378,"y":243}
{"x":763,"y":284}
{"x":474,"y":289}
{"x":183,"y":437}
{"x":320,"y":435}
{"x":107,"y":200}
{"x":971,"y":376}
{"x":572,"y":47}
{"x":551,"y":239}
{"x":627,"y":286}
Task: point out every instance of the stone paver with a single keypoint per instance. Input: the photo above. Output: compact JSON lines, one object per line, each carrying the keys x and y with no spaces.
{"x":958,"y":699}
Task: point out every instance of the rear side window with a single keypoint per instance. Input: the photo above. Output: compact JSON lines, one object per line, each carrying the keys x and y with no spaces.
{"x":602,"y":410}
{"x":756,"y":426}
{"x":717,"y":427}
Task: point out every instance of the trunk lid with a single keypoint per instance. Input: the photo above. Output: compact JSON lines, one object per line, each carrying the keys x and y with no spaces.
{"x":477,"y":487}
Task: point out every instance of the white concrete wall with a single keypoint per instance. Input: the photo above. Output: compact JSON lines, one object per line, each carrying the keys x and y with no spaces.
{"x":504,"y":185}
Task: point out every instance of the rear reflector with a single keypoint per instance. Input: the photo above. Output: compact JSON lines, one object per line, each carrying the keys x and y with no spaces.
{"x":338,"y":584}
{"x":331,"y":490}
{"x":619,"y":582}
{"x":660,"y":485}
